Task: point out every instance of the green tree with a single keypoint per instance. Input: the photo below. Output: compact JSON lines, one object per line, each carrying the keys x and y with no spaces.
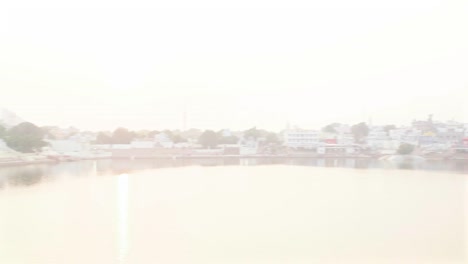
{"x":253,"y":133}
{"x":272,"y":138}
{"x":208,"y":139}
{"x":191,"y":133}
{"x":228,"y":140}
{"x":122,"y":136}
{"x":169,"y":133}
{"x":360,"y":132}
{"x":25,"y":137}
{"x":140,"y":134}
{"x":175,"y":136}
{"x":405,"y":149}
{"x":178,"y":138}
{"x":330,"y":128}
{"x":103,"y":138}
{"x":153,"y":133}
{"x":2,"y":131}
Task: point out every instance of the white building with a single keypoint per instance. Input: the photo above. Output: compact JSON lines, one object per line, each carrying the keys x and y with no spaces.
{"x":67,"y":146}
{"x":163,"y":140}
{"x":345,"y":138}
{"x":248,"y":147}
{"x":307,"y":139}
{"x":142,"y":144}
{"x":378,"y":138}
{"x":226,"y":133}
{"x":406,"y":135}
{"x":452,"y":133}
{"x":75,"y":148}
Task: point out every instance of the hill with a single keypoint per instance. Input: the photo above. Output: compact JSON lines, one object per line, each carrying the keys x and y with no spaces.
{"x":9,"y":119}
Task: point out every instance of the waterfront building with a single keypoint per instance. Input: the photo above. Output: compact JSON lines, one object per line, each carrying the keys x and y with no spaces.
{"x":451,"y":132}
{"x":163,"y":140}
{"x":302,"y":139}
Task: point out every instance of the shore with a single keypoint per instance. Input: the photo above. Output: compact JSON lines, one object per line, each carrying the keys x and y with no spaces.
{"x":28,"y":159}
{"x":20,"y":163}
{"x":23,"y":160}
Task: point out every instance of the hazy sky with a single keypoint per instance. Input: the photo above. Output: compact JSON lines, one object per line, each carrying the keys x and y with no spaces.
{"x":345,"y":61}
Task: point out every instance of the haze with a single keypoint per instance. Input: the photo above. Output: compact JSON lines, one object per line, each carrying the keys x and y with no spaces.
{"x":235,"y":68}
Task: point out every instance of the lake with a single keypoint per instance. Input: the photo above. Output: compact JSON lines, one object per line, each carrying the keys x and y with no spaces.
{"x":234,"y":211}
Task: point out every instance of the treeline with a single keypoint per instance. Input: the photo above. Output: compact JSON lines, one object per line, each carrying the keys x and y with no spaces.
{"x":27,"y":137}
{"x":124,"y":136}
{"x":360,"y":130}
{"x":211,"y":139}
{"x":206,"y":138}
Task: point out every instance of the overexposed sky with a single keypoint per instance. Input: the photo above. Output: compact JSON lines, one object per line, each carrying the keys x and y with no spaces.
{"x":343,"y":61}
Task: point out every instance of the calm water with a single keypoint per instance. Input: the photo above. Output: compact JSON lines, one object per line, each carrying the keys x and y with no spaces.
{"x":167,"y":212}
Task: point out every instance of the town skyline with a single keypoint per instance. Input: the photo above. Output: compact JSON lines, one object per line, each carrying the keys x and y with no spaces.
{"x":9,"y":118}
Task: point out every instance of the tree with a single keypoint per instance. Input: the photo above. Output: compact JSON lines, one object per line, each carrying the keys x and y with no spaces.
{"x":25,"y":137}
{"x":228,"y":140}
{"x":103,"y":138}
{"x":153,"y":133}
{"x":122,"y":136}
{"x":330,"y":128}
{"x":169,"y":133}
{"x":208,"y":139}
{"x":191,"y":133}
{"x":140,"y":134}
{"x":178,"y":138}
{"x":272,"y":138}
{"x":175,"y":136}
{"x":360,"y":131}
{"x":2,"y":131}
{"x":405,"y":149}
{"x":253,"y":133}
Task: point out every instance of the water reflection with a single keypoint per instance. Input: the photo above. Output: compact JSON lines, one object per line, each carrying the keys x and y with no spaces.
{"x":237,"y":214}
{"x":406,"y":166}
{"x":34,"y":174}
{"x":27,"y":177}
{"x":122,"y":218}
